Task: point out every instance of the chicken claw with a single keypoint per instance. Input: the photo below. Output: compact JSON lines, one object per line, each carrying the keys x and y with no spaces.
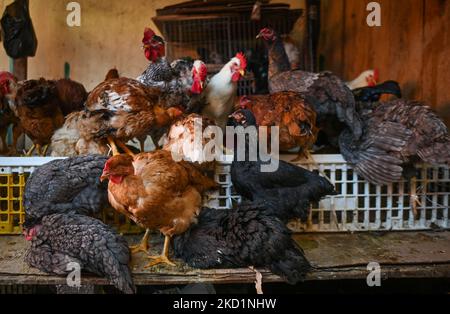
{"x":164,"y":257}
{"x":143,"y":245}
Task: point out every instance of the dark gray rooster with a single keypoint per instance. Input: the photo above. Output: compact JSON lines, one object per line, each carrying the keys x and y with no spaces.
{"x":248,"y":235}
{"x":374,"y":93}
{"x":66,"y":185}
{"x":292,"y":188}
{"x":60,"y":239}
{"x":332,"y":99}
{"x":396,"y":135}
{"x":59,"y":198}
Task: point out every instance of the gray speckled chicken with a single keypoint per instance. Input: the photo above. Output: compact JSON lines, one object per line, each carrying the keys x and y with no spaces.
{"x":60,"y":239}
{"x":67,"y":185}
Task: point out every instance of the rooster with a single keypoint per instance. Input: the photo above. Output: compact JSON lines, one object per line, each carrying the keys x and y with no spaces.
{"x":218,"y":99}
{"x":291,"y":113}
{"x":331,"y":98}
{"x":119,"y":110}
{"x":157,"y":193}
{"x":368,"y":78}
{"x":396,"y":135}
{"x":179,"y":80}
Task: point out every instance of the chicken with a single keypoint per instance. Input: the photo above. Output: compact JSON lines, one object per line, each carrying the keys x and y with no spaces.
{"x":119,"y":110}
{"x":330,"y":97}
{"x":157,"y":193}
{"x":291,"y":113}
{"x":7,"y":117}
{"x":247,"y":235}
{"x":397,"y":134}
{"x":218,"y":99}
{"x":368,"y":78}
{"x":60,"y":239}
{"x":178,"y":81}
{"x":290,"y":187}
{"x":181,"y":139}
{"x":67,"y":141}
{"x":36,"y":104}
{"x":64,"y":186}
{"x":374,"y":93}
{"x":71,"y":95}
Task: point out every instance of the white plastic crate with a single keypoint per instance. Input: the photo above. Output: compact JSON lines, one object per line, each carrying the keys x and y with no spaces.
{"x":360,"y":206}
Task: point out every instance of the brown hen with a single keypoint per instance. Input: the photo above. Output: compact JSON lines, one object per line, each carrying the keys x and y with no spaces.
{"x":122,"y":109}
{"x":157,"y":193}
{"x":291,"y":113}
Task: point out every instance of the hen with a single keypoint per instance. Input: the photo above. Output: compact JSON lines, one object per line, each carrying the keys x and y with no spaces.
{"x":157,"y":193}
{"x":247,"y":235}
{"x":36,"y":105}
{"x":291,"y":188}
{"x":60,"y":239}
{"x":181,"y":139}
{"x":331,"y":98}
{"x":7,"y":117}
{"x":291,"y":113}
{"x":396,"y":135}
{"x":57,"y":197}
{"x":218,"y":99}
{"x":119,"y":110}
{"x":66,"y":185}
{"x":71,"y":95}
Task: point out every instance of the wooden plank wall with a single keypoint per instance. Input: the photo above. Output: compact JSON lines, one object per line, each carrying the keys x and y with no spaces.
{"x":412,"y":46}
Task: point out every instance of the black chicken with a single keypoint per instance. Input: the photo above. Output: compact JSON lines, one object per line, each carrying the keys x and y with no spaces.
{"x":60,"y":239}
{"x":248,"y":235}
{"x":397,"y":134}
{"x":291,"y":188}
{"x":66,"y":185}
{"x":57,"y":198}
{"x":373,"y":93}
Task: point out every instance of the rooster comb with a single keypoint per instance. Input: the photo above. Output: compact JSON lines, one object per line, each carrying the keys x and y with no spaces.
{"x":148,"y":34}
{"x":242,"y":59}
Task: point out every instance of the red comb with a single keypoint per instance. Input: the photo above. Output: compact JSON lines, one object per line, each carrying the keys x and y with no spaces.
{"x":7,"y":76}
{"x":242,"y":59}
{"x":148,"y":34}
{"x":376,"y":75}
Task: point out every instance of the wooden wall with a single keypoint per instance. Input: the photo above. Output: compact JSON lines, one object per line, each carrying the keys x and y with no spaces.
{"x":412,"y":46}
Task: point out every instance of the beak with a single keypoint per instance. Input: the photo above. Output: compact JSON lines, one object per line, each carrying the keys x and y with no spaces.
{"x":201,"y":85}
{"x":104,"y":176}
{"x":258,"y":36}
{"x":242,"y":72}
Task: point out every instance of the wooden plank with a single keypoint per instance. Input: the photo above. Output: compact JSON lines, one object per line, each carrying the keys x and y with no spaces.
{"x":334,"y":257}
{"x":436,"y":59}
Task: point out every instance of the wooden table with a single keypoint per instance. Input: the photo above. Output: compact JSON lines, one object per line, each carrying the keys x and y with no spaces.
{"x":334,"y":257}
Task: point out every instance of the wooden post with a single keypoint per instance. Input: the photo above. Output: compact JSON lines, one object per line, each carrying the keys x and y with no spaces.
{"x":313,"y":16}
{"x":21,"y":68}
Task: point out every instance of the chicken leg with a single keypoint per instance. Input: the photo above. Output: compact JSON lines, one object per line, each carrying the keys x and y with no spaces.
{"x":143,"y":245}
{"x":125,"y":148}
{"x":113,"y":145}
{"x":164,"y":257}
{"x":30,"y":151}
